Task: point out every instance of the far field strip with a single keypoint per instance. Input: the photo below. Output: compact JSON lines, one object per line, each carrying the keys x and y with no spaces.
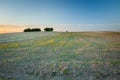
{"x":12,"y":37}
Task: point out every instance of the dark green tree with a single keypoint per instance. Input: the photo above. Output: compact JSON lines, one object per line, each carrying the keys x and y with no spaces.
{"x":27,"y":30}
{"x":35,"y":29}
{"x":32,"y":30}
{"x":48,"y":29}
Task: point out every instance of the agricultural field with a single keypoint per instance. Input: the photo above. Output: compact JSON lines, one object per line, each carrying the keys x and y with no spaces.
{"x":60,"y":56}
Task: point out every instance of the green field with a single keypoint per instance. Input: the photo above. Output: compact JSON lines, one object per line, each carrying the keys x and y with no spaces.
{"x":60,"y":56}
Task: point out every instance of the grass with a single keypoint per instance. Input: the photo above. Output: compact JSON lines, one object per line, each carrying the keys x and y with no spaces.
{"x":60,"y":56}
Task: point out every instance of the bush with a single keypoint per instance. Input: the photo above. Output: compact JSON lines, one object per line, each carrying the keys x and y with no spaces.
{"x":32,"y":30}
{"x":48,"y":29}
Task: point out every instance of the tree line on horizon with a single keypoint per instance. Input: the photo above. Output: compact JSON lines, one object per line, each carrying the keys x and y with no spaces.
{"x":38,"y":30}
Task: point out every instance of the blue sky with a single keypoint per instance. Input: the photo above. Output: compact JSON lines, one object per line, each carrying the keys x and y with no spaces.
{"x":60,"y":12}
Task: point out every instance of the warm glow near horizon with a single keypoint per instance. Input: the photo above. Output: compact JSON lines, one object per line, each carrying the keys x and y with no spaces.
{"x":19,"y":28}
{"x":5,"y":30}
{"x":10,"y":29}
{"x":61,"y":27}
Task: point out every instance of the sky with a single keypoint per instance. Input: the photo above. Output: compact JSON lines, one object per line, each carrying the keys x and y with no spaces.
{"x":88,"y":14}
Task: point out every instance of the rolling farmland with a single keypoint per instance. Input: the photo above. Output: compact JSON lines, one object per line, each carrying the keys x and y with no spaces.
{"x":60,"y":56}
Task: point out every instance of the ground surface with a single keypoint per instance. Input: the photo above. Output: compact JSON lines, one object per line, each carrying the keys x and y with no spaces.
{"x":60,"y":56}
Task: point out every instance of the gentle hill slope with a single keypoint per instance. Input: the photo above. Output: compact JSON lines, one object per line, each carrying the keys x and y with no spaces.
{"x":60,"y":56}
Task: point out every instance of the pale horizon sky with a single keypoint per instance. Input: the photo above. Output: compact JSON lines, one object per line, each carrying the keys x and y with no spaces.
{"x":61,"y":27}
{"x":90,"y":15}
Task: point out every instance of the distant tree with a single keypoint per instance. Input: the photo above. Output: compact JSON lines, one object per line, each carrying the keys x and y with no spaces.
{"x":35,"y":29}
{"x":48,"y":29}
{"x":27,"y":30}
{"x":32,"y":30}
